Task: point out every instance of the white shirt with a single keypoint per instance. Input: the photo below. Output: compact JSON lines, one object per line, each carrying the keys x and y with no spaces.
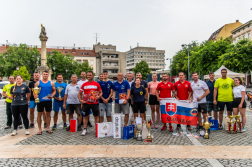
{"x":237,"y":91}
{"x":80,"y":82}
{"x":199,"y":89}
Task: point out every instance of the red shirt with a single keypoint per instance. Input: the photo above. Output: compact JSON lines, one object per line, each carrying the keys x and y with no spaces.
{"x":183,"y":89}
{"x":87,"y":87}
{"x":165,"y":89}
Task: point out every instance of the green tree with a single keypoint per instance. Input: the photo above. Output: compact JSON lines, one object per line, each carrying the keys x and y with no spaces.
{"x":143,"y":68}
{"x":23,"y":72}
{"x":82,"y":67}
{"x":238,"y":57}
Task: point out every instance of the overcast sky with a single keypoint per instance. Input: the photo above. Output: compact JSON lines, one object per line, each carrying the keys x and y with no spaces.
{"x":164,"y":24}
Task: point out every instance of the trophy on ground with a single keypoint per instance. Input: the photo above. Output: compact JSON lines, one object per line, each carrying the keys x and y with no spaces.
{"x":139,"y":127}
{"x":59,"y":89}
{"x":135,"y":130}
{"x":238,"y":121}
{"x":231,"y":125}
{"x":36,"y":91}
{"x":149,"y":138}
{"x":206,"y":125}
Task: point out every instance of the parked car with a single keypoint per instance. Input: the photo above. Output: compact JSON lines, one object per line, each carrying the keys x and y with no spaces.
{"x":2,"y":84}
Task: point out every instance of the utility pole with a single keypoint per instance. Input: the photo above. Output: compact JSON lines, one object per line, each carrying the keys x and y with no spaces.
{"x":96,"y":36}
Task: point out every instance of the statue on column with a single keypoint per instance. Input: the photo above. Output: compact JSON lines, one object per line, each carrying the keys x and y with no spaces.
{"x":42,"y":35}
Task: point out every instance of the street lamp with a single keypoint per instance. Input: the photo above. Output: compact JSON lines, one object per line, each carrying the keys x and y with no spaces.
{"x":54,"y":71}
{"x":187,"y":47}
{"x":66,"y":73}
{"x":170,"y":67}
{"x":17,"y":69}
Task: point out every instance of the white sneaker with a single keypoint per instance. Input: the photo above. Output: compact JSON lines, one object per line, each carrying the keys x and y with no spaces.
{"x":84,"y":132}
{"x":27,"y":132}
{"x":14,"y":133}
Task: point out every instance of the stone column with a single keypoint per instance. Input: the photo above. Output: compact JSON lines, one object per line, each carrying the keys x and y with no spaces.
{"x":43,"y":51}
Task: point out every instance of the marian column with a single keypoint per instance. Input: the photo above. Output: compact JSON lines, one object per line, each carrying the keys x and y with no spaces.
{"x":43,"y":38}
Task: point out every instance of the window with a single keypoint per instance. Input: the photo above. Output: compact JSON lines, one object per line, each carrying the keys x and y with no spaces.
{"x":243,"y":37}
{"x":234,"y":41}
{"x":78,"y":61}
{"x":248,"y":35}
{"x":239,"y":38}
{"x":84,"y":53}
{"x":91,"y":62}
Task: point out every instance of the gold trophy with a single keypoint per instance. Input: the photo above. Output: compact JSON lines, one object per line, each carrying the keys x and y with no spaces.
{"x":206,"y":125}
{"x":238,"y":125}
{"x":135,"y":130}
{"x":59,"y":89}
{"x":139,"y":131}
{"x":231,"y":128}
{"x":149,"y":138}
{"x":36,"y":91}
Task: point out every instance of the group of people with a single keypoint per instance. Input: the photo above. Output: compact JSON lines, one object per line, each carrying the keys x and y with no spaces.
{"x":212,"y":95}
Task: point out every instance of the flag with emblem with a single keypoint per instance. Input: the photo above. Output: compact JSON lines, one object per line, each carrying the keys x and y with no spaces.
{"x":179,"y":111}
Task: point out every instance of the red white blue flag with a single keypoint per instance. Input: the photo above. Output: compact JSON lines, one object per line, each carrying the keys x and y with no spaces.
{"x":179,"y":111}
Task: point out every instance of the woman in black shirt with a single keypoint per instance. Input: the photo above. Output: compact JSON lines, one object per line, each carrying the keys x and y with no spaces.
{"x":20,"y":94}
{"x":137,"y":98}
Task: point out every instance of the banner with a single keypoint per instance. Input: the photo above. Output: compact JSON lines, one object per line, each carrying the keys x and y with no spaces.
{"x":179,"y":111}
{"x":117,"y":123}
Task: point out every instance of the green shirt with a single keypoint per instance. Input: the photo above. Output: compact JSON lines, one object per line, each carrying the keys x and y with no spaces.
{"x":224,"y":86}
{"x":7,"y":89}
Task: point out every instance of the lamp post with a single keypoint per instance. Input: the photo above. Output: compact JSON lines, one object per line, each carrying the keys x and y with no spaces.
{"x":170,"y":67}
{"x":54,"y":71}
{"x":66,"y":73}
{"x":187,"y":47}
{"x":17,"y":69}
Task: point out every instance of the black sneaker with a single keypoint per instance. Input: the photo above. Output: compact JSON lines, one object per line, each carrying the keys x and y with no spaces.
{"x":20,"y":126}
{"x":68,"y":128}
{"x":79,"y":128}
{"x":45,"y":125}
{"x":32,"y":126}
{"x":220,"y":127}
{"x":7,"y":127}
{"x":89,"y":124}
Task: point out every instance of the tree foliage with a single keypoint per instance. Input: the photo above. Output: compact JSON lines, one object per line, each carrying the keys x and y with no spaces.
{"x":23,"y":72}
{"x":143,"y":68}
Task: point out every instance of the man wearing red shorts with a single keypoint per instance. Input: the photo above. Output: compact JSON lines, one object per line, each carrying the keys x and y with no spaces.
{"x":184,"y":91}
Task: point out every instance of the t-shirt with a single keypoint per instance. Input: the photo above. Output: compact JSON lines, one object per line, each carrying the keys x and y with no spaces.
{"x":106,"y":87}
{"x":183,"y":89}
{"x":7,"y":89}
{"x":120,"y":88}
{"x":237,"y":91}
{"x":80,"y":82}
{"x":72,"y":93}
{"x":88,"y":86}
{"x":138,"y":94}
{"x":199,"y":89}
{"x":210,"y":85}
{"x":153,"y":87}
{"x":224,"y":89}
{"x":31,"y":85}
{"x":165,"y":89}
{"x":19,"y":95}
{"x":63,"y":85}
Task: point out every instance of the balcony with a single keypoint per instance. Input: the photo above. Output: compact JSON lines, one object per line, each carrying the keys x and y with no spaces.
{"x":110,"y":67}
{"x":109,"y":59}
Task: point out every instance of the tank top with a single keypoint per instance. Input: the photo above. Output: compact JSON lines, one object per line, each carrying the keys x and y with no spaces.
{"x":46,"y":89}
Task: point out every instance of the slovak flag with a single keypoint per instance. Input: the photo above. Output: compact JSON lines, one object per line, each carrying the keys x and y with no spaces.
{"x":179,"y":111}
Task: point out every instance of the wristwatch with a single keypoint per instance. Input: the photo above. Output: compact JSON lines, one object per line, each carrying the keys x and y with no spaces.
{"x":146,"y":99}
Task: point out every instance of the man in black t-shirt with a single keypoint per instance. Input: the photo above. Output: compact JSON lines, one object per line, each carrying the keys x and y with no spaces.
{"x":36,"y":77}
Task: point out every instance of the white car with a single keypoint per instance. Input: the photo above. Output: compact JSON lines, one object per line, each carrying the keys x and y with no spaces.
{"x":2,"y":84}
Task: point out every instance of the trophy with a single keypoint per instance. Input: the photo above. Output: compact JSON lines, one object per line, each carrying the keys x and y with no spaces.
{"x":149,"y":138}
{"x":36,"y":91}
{"x":206,"y":125}
{"x":238,"y":126}
{"x":59,"y":89}
{"x":139,"y":127}
{"x":135,"y":130}
{"x":231,"y":125}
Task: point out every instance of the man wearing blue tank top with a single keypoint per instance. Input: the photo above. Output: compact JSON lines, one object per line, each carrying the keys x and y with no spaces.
{"x":45,"y":97}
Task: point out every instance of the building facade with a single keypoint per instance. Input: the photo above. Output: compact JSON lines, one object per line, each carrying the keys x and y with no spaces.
{"x":224,"y":31}
{"x":154,"y":58}
{"x":242,"y":32}
{"x":107,"y":58}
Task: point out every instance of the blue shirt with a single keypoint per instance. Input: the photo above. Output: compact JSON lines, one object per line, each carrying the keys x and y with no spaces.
{"x":210,"y":85}
{"x":120,"y":88}
{"x":63,"y":85}
{"x":106,"y":87}
{"x":138,"y":94}
{"x":46,"y":89}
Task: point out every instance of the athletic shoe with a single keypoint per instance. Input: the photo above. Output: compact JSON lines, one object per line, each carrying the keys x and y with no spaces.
{"x":20,"y":126}
{"x":7,"y":127}
{"x":220,"y":127}
{"x":65,"y":126}
{"x":89,"y":124}
{"x":79,"y":128}
{"x":68,"y":128}
{"x":170,"y":129}
{"x":27,"y":132}
{"x":199,"y":129}
{"x":164,"y":127}
{"x":243,"y":129}
{"x":189,"y":128}
{"x":45,"y":126}
{"x":84,"y":132}
{"x":32,"y":126}
{"x":153,"y":126}
{"x":54,"y":127}
{"x":156,"y":126}
{"x":14,"y":133}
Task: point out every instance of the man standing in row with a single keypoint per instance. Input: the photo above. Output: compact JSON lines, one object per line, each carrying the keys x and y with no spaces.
{"x":58,"y":102}
{"x":210,"y":106}
{"x":130,"y":80}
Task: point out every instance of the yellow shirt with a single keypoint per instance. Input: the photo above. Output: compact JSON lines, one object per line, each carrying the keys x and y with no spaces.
{"x":224,"y":86}
{"x":7,"y":89}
